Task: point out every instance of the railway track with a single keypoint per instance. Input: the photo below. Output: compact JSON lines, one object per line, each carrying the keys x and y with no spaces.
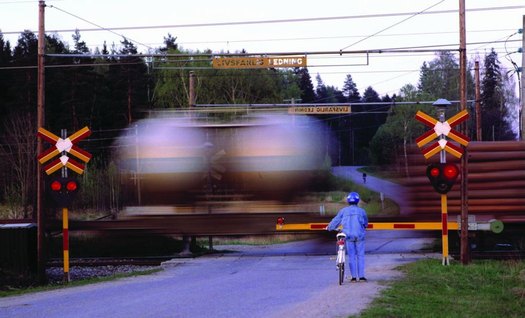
{"x":110,"y":261}
{"x":157,"y":260}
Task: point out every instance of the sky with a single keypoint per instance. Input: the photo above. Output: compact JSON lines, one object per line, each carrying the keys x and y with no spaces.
{"x":277,"y":26}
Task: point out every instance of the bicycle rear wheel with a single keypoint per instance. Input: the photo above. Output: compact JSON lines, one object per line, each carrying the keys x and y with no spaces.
{"x":341,"y":270}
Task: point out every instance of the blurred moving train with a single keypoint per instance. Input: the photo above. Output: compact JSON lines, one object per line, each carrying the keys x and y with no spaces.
{"x":495,"y":185}
{"x":181,"y":160}
{"x":265,"y":162}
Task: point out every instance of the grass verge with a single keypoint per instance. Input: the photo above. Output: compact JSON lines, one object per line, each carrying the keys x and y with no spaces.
{"x":481,"y":289}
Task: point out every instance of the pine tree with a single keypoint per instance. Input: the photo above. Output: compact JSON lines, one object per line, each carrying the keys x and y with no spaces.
{"x":170,"y":44}
{"x":494,"y":108}
{"x":24,"y":79}
{"x":439,"y":78}
{"x":305,"y":84}
{"x":350,"y":90}
{"x":6,"y":78}
{"x":370,"y":95}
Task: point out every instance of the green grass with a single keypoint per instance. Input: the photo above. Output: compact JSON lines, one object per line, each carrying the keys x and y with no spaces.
{"x":380,"y":172}
{"x":333,"y":191}
{"x":82,"y":282}
{"x":429,"y":289}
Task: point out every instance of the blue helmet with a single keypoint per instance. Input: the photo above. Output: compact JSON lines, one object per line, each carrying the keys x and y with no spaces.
{"x":352,"y":198}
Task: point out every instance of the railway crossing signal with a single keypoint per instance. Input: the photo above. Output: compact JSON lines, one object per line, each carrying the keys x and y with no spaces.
{"x":442,"y":176}
{"x":64,"y":146}
{"x":442,"y":129}
{"x":63,"y":190}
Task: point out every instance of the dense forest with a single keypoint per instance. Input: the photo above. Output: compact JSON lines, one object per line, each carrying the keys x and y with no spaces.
{"x":109,"y":88}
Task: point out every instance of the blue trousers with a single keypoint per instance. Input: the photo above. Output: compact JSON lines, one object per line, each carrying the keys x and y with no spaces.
{"x":356,"y":256}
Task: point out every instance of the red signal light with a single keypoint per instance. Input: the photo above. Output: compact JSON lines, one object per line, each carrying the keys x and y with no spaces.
{"x":280,"y":221}
{"x":434,"y":172}
{"x":71,"y":186}
{"x":56,"y":185}
{"x":442,"y":176}
{"x":450,"y":171}
{"x":62,"y":190}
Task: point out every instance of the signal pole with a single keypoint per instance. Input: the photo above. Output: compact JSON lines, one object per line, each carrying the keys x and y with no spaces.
{"x":41,"y":255}
{"x":65,"y":222}
{"x":442,"y":105}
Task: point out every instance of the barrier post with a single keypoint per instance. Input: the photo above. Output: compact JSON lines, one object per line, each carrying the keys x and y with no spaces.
{"x":444,"y":229}
{"x":65,"y":243}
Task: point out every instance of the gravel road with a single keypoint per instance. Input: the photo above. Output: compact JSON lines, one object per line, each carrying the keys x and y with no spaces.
{"x":296,"y":279}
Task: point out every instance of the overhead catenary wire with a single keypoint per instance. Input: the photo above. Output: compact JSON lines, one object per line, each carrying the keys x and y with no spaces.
{"x":391,"y":26}
{"x":120,"y":62}
{"x":414,"y":49}
{"x":370,"y":16}
{"x":314,"y":19}
{"x":141,"y":55}
{"x":257,"y":40}
{"x":288,"y":39}
{"x":98,"y":26}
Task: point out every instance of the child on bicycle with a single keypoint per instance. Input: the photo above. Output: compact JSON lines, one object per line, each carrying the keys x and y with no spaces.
{"x":354,"y":221}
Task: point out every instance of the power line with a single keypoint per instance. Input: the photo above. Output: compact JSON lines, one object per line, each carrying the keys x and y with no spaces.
{"x":23,"y":1}
{"x":393,"y":25}
{"x":331,"y":37}
{"x":411,"y":49}
{"x":98,"y":26}
{"x":255,"y":40}
{"x":120,"y":63}
{"x":234,"y":23}
{"x":70,"y":65}
{"x":11,"y":2}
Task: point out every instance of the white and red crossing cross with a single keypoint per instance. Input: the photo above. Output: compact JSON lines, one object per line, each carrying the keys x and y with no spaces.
{"x":445,"y":129}
{"x":64,"y":145}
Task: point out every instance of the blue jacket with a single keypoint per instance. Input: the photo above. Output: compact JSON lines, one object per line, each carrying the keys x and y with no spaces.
{"x":354,"y":222}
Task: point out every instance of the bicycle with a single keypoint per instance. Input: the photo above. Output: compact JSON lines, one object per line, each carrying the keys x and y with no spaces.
{"x":341,"y":256}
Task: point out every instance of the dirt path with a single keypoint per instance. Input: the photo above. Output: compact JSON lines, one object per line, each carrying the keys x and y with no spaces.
{"x":352,"y":298}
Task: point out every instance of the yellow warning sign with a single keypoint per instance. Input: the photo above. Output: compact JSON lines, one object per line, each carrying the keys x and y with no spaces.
{"x":259,"y":62}
{"x":343,"y":109}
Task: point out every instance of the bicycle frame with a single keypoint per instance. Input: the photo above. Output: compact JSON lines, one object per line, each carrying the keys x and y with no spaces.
{"x":341,"y":256}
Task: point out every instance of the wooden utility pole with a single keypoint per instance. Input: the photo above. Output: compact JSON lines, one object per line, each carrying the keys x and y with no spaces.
{"x":41,"y":248}
{"x":522,"y":91}
{"x":191,"y":99}
{"x":465,"y":257}
{"x":477,"y":102}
